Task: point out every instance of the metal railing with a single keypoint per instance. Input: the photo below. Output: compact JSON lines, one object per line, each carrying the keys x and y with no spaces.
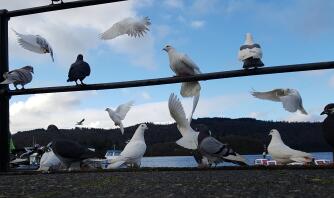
{"x":5,"y":93}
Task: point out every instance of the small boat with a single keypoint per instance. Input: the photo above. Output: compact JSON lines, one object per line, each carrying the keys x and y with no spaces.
{"x":322,"y":162}
{"x":112,"y":154}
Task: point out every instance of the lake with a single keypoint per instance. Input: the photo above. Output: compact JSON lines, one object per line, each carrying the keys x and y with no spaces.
{"x":189,"y":161}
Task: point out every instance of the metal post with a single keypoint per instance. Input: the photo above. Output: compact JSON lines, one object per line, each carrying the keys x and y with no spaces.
{"x":4,"y":98}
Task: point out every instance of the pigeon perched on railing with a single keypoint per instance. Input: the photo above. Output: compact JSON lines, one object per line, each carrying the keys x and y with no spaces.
{"x":34,"y":43}
{"x":119,"y":114}
{"x":290,"y":98}
{"x":79,"y":70}
{"x":20,"y":76}
{"x":182,"y":65}
{"x":250,"y":53}
{"x":215,"y":151}
{"x":282,"y":153}
{"x":133,"y":151}
{"x":133,"y":27}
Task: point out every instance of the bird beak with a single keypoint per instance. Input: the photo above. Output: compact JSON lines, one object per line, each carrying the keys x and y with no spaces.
{"x":146,"y":128}
{"x":324,"y":112}
{"x":164,"y":49}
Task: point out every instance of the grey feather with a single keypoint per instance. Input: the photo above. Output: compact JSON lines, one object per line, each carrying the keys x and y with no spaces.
{"x":20,"y":76}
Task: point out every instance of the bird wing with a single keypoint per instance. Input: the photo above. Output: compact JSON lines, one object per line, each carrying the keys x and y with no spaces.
{"x":273,"y":95}
{"x":29,"y":42}
{"x":178,"y":114}
{"x":291,"y":101}
{"x":123,"y":109}
{"x":210,"y":145}
{"x":132,"y":27}
{"x":189,"y":63}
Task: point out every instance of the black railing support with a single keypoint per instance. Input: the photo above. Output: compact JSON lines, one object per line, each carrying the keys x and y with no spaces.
{"x":59,"y":6}
{"x":4,"y":98}
{"x":171,"y":80}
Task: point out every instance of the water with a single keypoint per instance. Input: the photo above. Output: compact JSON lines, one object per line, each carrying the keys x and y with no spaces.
{"x":189,"y":161}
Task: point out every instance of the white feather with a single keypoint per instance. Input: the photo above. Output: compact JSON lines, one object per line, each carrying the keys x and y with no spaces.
{"x":119,"y":114}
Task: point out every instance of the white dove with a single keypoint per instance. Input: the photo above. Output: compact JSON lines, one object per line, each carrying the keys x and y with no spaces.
{"x":189,"y":136}
{"x":284,"y":154}
{"x":133,"y":151}
{"x":20,"y":76}
{"x":250,"y":53}
{"x":119,"y":114}
{"x":290,"y":98}
{"x":131,"y":26}
{"x":34,"y":43}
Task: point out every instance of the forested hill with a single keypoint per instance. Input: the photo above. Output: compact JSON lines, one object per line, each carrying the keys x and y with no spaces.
{"x":245,"y":135}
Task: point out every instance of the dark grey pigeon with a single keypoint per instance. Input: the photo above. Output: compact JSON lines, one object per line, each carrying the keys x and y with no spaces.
{"x":328,"y":125}
{"x":70,"y":152}
{"x":79,"y":70}
{"x":214,"y":150}
{"x":20,"y":76}
{"x":250,"y":53}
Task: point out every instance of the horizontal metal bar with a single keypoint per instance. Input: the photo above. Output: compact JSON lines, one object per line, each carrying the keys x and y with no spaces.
{"x":58,"y":6}
{"x":178,"y":79}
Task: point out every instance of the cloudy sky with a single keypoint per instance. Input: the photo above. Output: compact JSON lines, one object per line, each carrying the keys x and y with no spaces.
{"x":209,"y":31}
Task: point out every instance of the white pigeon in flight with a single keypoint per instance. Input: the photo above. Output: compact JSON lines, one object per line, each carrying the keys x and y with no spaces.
{"x":20,"y":76}
{"x":250,"y":53}
{"x":133,"y":151}
{"x":119,"y":114}
{"x":282,"y":153}
{"x":34,"y":43}
{"x":189,"y":136}
{"x":133,"y":27}
{"x":290,"y":98}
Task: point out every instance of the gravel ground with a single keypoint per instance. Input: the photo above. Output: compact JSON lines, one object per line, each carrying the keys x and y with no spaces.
{"x":172,"y":183}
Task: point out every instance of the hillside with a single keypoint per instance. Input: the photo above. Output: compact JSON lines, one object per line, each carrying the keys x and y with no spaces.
{"x":246,"y":135}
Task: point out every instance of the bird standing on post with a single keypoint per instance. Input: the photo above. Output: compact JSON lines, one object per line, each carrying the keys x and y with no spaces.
{"x":78,"y":70}
{"x":328,"y":125}
{"x":250,"y":53}
{"x":20,"y":76}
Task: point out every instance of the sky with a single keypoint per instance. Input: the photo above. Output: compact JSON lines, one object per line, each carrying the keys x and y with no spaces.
{"x":210,"y":32}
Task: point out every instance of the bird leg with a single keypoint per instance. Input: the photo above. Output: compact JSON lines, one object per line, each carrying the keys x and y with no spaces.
{"x":15,"y":87}
{"x":82,"y":83}
{"x":76,"y":83}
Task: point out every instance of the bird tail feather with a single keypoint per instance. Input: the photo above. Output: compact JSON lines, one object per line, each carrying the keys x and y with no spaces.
{"x":115,"y":164}
{"x":303,"y":111}
{"x":236,"y":159}
{"x":6,"y":81}
{"x":189,"y":89}
{"x":195,"y":101}
{"x":121,"y":127}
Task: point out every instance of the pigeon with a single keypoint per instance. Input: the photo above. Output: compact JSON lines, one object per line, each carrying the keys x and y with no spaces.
{"x":214,"y":150}
{"x":71,"y":153}
{"x":133,"y":27}
{"x":119,"y":114}
{"x":284,"y":154}
{"x":202,"y":161}
{"x":34,"y":43}
{"x":49,"y":161}
{"x":79,"y":70}
{"x":80,"y":122}
{"x":189,"y":136}
{"x":250,"y":53}
{"x":291,"y":99}
{"x":20,"y":76}
{"x":182,"y":65}
{"x":133,"y":151}
{"x":328,"y":125}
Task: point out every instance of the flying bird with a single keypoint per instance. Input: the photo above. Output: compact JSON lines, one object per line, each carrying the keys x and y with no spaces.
{"x":214,"y":150}
{"x":328,"y":125}
{"x":79,"y":70}
{"x":182,"y":65}
{"x":189,"y":136}
{"x":133,"y":27}
{"x":282,"y":153}
{"x":250,"y":53}
{"x":20,"y":76}
{"x":290,"y":98}
{"x":133,"y":151}
{"x":71,"y":153}
{"x":119,"y":114}
{"x":34,"y":43}
{"x":80,"y":122}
